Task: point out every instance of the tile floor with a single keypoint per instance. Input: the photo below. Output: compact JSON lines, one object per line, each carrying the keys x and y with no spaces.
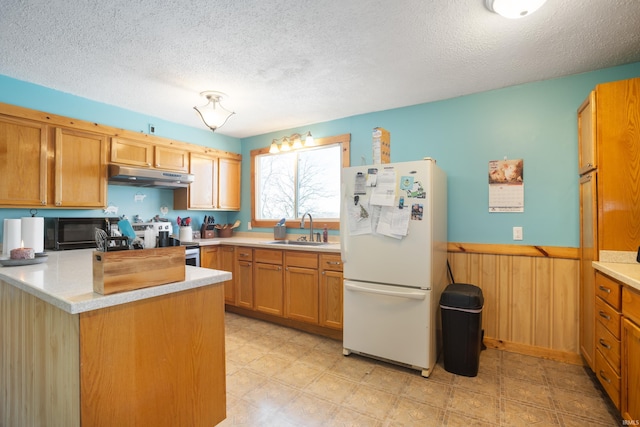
{"x":281,"y":377}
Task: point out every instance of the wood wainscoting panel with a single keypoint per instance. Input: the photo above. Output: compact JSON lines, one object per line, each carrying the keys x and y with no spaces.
{"x":39,"y":362}
{"x":531,"y":301}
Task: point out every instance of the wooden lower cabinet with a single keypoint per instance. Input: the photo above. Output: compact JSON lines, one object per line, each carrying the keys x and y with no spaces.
{"x":301,"y":286}
{"x":630,"y":393}
{"x":268,"y":281}
{"x":227,"y":263}
{"x":244,"y":277}
{"x":331,"y":291}
{"x":294,"y":288}
{"x":131,"y":364}
{"x":607,"y":335}
{"x":221,"y":258}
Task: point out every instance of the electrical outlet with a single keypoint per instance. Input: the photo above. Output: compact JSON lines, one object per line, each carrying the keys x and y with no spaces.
{"x":517,"y":233}
{"x":152,"y":129}
{"x":249,"y":226}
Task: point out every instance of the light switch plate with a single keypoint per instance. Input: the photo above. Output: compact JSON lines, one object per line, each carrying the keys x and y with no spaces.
{"x":517,"y":233}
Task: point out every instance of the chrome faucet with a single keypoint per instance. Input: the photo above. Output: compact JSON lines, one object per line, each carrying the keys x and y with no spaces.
{"x":310,"y":225}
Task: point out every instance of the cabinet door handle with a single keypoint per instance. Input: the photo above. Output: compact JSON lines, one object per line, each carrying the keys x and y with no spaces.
{"x":604,"y":377}
{"x":604,"y":289}
{"x":333,"y":262}
{"x":604,"y":315}
{"x":604,"y":344}
{"x":244,"y":254}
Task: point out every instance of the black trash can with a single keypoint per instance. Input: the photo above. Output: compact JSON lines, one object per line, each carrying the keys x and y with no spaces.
{"x":461,"y":308}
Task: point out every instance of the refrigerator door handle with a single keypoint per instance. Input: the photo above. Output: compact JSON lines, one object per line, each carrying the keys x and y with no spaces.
{"x":409,"y":295}
{"x":343,"y":225}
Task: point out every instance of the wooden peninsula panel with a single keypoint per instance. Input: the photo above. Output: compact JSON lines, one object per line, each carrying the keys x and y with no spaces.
{"x":38,"y":362}
{"x":156,"y":362}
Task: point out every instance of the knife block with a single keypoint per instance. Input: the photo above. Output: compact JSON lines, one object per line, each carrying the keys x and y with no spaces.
{"x":136,"y":269}
{"x":207,"y":231}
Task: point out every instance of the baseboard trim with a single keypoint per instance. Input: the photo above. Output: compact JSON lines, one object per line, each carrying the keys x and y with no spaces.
{"x":312,"y":329}
{"x":529,"y":350}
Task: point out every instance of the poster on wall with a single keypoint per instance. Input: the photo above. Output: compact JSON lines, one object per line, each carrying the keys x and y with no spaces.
{"x":506,"y":185}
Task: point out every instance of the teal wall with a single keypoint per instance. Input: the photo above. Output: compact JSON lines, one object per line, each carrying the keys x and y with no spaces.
{"x":535,"y":122}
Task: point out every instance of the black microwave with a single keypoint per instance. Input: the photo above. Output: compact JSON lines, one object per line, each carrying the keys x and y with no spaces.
{"x":75,"y":233}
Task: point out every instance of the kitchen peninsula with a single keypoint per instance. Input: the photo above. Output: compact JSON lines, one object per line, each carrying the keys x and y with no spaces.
{"x":69,"y":356}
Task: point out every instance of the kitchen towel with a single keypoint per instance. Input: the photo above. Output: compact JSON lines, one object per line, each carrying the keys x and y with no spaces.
{"x":33,"y":233}
{"x":11,"y":235}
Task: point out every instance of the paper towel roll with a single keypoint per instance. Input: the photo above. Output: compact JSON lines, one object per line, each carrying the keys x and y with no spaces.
{"x":11,"y":235}
{"x":33,"y":233}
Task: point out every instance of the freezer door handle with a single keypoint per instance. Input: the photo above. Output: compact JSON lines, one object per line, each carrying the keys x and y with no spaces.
{"x":409,"y":294}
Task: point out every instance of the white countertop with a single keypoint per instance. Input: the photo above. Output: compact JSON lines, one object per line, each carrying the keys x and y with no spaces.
{"x":265,"y":240}
{"x":65,"y":280}
{"x":627,"y":273}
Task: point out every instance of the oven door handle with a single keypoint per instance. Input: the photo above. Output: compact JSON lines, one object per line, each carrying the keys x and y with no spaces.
{"x":408,"y":294}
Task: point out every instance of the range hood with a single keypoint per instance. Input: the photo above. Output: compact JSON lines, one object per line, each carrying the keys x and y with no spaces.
{"x":141,"y":177}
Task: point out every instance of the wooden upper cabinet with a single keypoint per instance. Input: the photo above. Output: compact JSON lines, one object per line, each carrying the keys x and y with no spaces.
{"x":229,"y":184}
{"x":171,"y":158}
{"x":216,"y":185}
{"x":23,"y":161}
{"x":586,"y":130}
{"x":129,"y":152}
{"x":618,"y":150}
{"x":203,"y":192}
{"x":145,"y":154}
{"x":80,"y":169}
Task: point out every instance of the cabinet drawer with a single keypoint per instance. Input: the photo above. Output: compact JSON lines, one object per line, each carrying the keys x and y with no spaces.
{"x":268,"y":256}
{"x":331,"y":262}
{"x":301,"y":259}
{"x":608,"y":289}
{"x":608,"y":378}
{"x":244,"y":254}
{"x":608,"y":317}
{"x":631,"y":304}
{"x":609,"y":346}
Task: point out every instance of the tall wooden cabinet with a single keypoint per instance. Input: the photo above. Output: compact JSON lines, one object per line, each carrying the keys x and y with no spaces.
{"x":609,"y":149}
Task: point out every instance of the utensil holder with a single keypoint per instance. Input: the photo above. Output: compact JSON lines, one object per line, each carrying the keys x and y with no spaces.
{"x":186,"y":234}
{"x":279,"y":232}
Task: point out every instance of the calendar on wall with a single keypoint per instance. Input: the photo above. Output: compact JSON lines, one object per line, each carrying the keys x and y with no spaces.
{"x":506,"y":185}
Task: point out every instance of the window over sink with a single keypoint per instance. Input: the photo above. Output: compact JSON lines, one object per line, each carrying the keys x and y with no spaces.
{"x":288,"y":184}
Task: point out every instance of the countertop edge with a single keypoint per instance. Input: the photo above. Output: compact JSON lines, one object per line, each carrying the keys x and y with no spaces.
{"x":87,"y":301}
{"x":629,"y":274}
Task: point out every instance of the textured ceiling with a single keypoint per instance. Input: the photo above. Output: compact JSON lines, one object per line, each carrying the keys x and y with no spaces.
{"x":288,"y":63}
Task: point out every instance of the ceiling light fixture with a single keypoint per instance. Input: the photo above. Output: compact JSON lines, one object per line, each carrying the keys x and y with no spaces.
{"x":213,"y":114}
{"x":514,"y":9}
{"x":292,"y":142}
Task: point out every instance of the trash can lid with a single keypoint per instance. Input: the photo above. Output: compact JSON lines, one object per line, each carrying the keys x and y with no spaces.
{"x":462,"y":295}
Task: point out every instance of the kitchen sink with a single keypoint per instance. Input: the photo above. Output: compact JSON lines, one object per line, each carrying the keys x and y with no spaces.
{"x":296,"y":243}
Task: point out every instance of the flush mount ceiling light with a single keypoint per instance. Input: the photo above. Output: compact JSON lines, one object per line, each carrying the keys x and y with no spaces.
{"x":514,"y":9}
{"x":213,"y":114}
{"x":292,"y":142}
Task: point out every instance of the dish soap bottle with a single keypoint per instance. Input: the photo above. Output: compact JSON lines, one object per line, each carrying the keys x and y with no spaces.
{"x":325,"y":235}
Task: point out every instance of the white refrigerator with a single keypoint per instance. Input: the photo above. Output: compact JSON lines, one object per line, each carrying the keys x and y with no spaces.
{"x":393,"y":235}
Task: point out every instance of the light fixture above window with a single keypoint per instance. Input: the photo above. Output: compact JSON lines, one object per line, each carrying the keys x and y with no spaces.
{"x":292,"y":142}
{"x":514,"y":9}
{"x":213,"y":114}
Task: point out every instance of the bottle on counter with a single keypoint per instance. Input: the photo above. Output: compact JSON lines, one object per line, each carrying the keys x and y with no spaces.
{"x":325,"y":235}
